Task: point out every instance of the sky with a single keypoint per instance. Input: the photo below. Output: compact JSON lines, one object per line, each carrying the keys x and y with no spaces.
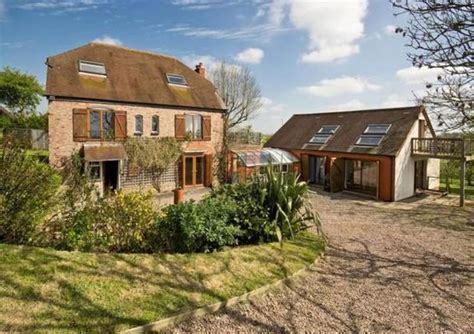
{"x":307,"y":55}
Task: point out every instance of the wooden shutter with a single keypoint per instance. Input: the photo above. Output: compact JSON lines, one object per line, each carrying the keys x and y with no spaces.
{"x":304,"y":167}
{"x":120,"y":125}
{"x":80,"y":124}
{"x":179,"y":127}
{"x":206,"y":127}
{"x":208,"y":165}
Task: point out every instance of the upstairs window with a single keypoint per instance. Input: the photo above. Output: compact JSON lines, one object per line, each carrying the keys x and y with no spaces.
{"x":373,"y":134}
{"x":176,"y":79}
{"x":372,"y":140}
{"x":328,"y":129}
{"x":379,"y":129}
{"x":101,"y":124}
{"x":138,"y":124}
{"x":92,"y":68}
{"x":323,"y":134}
{"x":155,"y":125}
{"x":193,"y":126}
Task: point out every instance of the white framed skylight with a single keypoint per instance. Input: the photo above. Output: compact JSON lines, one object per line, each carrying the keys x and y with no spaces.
{"x":328,"y":129}
{"x":90,"y":67}
{"x":320,"y":139}
{"x":176,"y":79}
{"x":379,"y":129}
{"x":369,"y":140}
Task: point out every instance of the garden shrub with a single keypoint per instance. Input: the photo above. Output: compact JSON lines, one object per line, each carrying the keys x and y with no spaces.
{"x":115,"y":223}
{"x":251,"y":216}
{"x":196,"y":227}
{"x":27,"y":194}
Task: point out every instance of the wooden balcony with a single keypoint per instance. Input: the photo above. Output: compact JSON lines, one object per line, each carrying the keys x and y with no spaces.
{"x":442,"y":148}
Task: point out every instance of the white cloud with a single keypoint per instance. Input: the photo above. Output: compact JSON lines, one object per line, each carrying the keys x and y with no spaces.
{"x":108,"y":40}
{"x":349,"y":105}
{"x":389,"y":29}
{"x":11,"y":45}
{"x":395,"y":100}
{"x":415,"y":75}
{"x":250,"y":55}
{"x":209,"y":62}
{"x":203,"y":4}
{"x":333,"y":26}
{"x":339,"y":86}
{"x":60,"y":6}
{"x":269,"y":106}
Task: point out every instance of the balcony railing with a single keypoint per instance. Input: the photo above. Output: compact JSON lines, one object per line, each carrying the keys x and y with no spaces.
{"x":447,"y":148}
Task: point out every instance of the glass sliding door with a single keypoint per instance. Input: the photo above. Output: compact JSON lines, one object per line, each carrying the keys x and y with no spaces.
{"x":362,"y":176}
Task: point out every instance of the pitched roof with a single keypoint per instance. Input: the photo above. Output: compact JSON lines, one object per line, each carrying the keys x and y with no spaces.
{"x":300,"y":128}
{"x":132,"y":76}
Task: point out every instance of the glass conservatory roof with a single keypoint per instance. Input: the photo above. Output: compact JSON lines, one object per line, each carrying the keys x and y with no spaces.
{"x":265,"y":156}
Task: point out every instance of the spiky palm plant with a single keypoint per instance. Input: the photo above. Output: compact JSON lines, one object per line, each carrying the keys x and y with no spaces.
{"x":287,"y":203}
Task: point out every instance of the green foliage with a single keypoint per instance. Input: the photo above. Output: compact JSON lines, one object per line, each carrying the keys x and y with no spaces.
{"x":252,"y":216}
{"x":19,"y":92}
{"x":155,"y":155}
{"x":117,"y":223}
{"x":286,"y":201}
{"x":196,"y":227}
{"x":27,"y":194}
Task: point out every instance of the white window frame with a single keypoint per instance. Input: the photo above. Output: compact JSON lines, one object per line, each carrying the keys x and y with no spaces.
{"x":367,"y":132}
{"x":358,"y":142}
{"x":328,"y":126}
{"x":168,"y":75}
{"x":87,"y":62}
{"x":312,"y":140}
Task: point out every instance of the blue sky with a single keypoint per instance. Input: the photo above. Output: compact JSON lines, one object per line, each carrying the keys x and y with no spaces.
{"x":308,"y":56}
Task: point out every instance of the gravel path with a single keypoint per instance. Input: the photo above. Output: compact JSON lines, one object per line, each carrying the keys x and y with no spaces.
{"x":390,"y":267}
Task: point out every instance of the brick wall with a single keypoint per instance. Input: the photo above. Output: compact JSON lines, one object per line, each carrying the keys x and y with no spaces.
{"x":61,"y":144}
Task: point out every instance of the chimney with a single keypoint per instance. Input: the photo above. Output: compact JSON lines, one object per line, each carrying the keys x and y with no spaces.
{"x":200,"y":70}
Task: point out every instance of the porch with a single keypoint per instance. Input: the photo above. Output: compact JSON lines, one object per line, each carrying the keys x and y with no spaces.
{"x":446,"y":148}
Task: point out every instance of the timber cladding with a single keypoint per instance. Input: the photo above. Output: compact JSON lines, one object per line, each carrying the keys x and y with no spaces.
{"x":69,"y":129}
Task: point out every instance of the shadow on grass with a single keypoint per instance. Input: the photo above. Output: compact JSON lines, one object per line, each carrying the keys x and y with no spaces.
{"x":47,"y":290}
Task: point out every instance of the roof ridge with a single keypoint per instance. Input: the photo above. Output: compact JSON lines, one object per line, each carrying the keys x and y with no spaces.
{"x":360,"y":110}
{"x":151,"y":53}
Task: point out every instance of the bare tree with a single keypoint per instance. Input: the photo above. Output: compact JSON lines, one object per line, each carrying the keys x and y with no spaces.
{"x":241,"y":94}
{"x":440,"y":35}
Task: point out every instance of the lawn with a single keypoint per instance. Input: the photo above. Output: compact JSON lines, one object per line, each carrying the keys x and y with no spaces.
{"x":455,"y":188}
{"x":48,"y":290}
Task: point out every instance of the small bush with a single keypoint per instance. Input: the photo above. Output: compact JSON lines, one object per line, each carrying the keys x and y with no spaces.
{"x":251,"y":216}
{"x":196,"y":227}
{"x":27,"y":194}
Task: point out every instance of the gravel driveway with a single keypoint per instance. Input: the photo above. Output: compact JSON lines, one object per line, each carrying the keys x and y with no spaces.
{"x":404,"y":266}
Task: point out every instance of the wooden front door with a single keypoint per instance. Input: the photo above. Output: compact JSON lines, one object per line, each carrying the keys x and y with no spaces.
{"x":193,"y":170}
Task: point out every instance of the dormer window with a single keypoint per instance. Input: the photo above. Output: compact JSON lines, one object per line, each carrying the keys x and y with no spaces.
{"x":323,"y":134}
{"x":176,"y":79}
{"x":373,"y":134}
{"x":88,"y":67}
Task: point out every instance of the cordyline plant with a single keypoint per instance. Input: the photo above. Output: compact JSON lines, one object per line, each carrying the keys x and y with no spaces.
{"x":287,"y":204}
{"x":154,"y":155}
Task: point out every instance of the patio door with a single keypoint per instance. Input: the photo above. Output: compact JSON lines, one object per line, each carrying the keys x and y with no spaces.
{"x":193,"y":170}
{"x":362,"y":176}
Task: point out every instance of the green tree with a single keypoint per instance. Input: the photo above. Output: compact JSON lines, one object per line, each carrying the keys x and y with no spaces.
{"x":19,"y":92}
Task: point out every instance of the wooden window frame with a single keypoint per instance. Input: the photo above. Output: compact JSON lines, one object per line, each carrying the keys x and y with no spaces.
{"x":138,"y":133}
{"x":193,"y":137}
{"x":153,"y":132}
{"x":101,"y":125}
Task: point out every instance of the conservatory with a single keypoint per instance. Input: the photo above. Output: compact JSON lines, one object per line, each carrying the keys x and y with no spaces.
{"x":243,"y":164}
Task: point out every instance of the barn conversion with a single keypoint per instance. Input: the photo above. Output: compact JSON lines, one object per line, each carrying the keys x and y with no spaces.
{"x":368,"y":151}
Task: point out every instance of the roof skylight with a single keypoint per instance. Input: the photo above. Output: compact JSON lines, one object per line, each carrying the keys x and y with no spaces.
{"x":320,"y":138}
{"x":372,"y":140}
{"x":92,"y":67}
{"x":328,"y":129}
{"x":324,"y":134}
{"x":176,"y":79}
{"x":379,"y":129}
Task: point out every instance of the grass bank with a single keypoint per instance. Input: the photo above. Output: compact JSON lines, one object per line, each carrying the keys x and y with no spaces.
{"x":47,"y":290}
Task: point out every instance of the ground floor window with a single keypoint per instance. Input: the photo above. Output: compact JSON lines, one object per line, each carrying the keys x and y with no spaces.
{"x":361,"y":176}
{"x":94,"y":170}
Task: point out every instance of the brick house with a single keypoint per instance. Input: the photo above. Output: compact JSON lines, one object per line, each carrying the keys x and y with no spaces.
{"x":372,"y":152}
{"x":99,"y":95}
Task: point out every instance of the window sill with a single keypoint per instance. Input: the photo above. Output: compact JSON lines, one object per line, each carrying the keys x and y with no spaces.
{"x":138,"y":134}
{"x":154,"y":134}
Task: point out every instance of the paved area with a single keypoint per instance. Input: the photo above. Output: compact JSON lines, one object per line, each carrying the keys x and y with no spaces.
{"x":405,"y":266}
{"x":167,"y":198}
